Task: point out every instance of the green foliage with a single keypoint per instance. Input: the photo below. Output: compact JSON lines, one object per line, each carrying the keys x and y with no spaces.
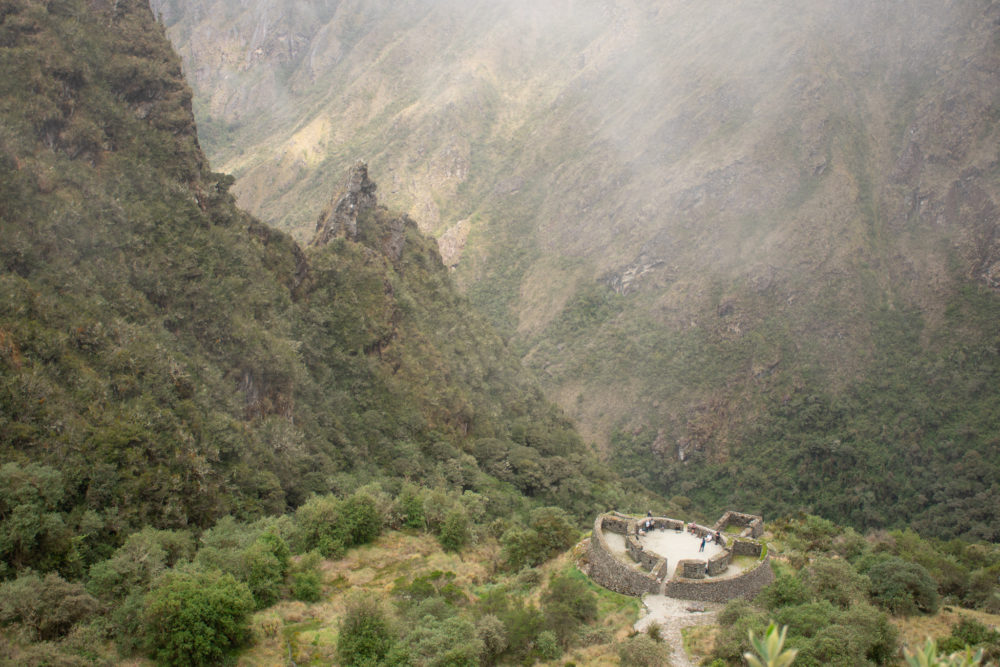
{"x":902,"y":588}
{"x":306,"y":579}
{"x":834,"y":580}
{"x":568,"y":603}
{"x":769,"y":649}
{"x":320,"y":525}
{"x":785,"y":590}
{"x":449,"y":642}
{"x":411,"y":508}
{"x":928,"y":656}
{"x":454,"y":530}
{"x":362,"y":518}
{"x":549,"y":533}
{"x":969,"y":632}
{"x":491,"y":631}
{"x":45,"y":607}
{"x":32,"y":531}
{"x":196,"y":617}
{"x":138,"y":562}
{"x":364,"y":634}
{"x":642,"y":651}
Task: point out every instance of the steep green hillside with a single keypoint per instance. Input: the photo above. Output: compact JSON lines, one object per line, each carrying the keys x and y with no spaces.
{"x":754,"y":236}
{"x":166,"y":360}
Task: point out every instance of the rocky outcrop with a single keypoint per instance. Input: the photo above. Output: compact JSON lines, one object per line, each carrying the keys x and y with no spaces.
{"x":340,"y":217}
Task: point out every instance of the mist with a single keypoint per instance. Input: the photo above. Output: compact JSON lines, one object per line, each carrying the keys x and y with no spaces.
{"x":767,"y":160}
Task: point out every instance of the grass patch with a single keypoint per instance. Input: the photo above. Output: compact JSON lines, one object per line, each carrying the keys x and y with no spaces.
{"x":698,"y":641}
{"x":914,"y":630}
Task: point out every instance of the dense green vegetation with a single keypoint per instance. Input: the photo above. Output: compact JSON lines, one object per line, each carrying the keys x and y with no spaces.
{"x":187,"y":398}
{"x":168,"y":361}
{"x":197,"y":417}
{"x":836,"y":590}
{"x":187,"y":601}
{"x":912,"y":443}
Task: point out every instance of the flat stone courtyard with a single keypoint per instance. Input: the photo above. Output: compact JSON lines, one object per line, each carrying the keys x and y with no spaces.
{"x":673,"y":545}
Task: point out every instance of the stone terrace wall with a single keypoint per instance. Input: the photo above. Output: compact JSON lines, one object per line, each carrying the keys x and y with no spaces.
{"x":719,"y":563}
{"x":747,"y":548}
{"x":745,"y":586}
{"x":752,"y":521}
{"x":646,"y":559}
{"x":609,"y":571}
{"x":615,"y":574}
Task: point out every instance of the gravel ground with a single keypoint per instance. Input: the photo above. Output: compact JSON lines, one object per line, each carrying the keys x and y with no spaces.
{"x":673,"y":615}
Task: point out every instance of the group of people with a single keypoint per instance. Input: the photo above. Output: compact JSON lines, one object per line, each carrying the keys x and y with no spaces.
{"x":648,"y":524}
{"x":717,"y":538}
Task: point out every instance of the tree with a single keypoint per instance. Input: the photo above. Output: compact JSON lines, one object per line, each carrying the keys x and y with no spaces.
{"x":567,"y":604}
{"x":454,"y":530}
{"x":902,"y":588}
{"x":365,"y":636}
{"x":196,"y":617}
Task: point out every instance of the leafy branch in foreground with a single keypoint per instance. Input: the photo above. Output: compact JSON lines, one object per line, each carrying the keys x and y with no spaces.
{"x":928,"y":656}
{"x":769,"y":648}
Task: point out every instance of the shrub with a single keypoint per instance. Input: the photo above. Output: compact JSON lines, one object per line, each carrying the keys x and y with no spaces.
{"x":362,"y":519}
{"x":834,"y":580}
{"x":902,"y":588}
{"x":47,"y":608}
{"x":547,"y":645}
{"x":365,"y":635}
{"x":447,"y":642}
{"x":263,"y":574}
{"x":411,"y":509}
{"x":321,"y":526}
{"x":567,"y":604}
{"x":491,"y":632}
{"x":307,"y":586}
{"x":454,"y":530}
{"x":642,"y":651}
{"x":787,"y":589}
{"x":550,"y":532}
{"x":194,"y":617}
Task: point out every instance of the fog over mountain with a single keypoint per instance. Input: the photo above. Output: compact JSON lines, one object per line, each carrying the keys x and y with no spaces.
{"x":724,"y":232}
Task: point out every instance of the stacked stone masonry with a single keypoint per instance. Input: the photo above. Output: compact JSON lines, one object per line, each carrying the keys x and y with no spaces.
{"x":693,"y":579}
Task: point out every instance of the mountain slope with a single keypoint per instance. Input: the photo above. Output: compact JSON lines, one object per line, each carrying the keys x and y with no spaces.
{"x":165,"y":359}
{"x":688,"y":218}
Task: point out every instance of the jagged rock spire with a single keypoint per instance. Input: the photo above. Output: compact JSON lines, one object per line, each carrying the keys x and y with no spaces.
{"x":340,"y":217}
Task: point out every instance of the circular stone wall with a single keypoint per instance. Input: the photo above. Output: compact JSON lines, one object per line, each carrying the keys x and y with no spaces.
{"x":648,"y":574}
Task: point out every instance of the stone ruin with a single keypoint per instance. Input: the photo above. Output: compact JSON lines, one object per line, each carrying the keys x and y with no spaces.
{"x":638,"y":570}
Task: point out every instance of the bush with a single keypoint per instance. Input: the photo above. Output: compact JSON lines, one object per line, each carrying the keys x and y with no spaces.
{"x":194,"y":617}
{"x":834,"y":580}
{"x":321,"y":526}
{"x":264,"y":574}
{"x":448,"y":642}
{"x":547,"y":645}
{"x":902,"y":588}
{"x":642,"y":651}
{"x":411,"y":509}
{"x":454,"y":530}
{"x":362,"y":518}
{"x":491,"y":632}
{"x":46,"y":608}
{"x":787,"y":589}
{"x":550,"y":532}
{"x":567,"y":604}
{"x":307,"y":586}
{"x":365,"y":636}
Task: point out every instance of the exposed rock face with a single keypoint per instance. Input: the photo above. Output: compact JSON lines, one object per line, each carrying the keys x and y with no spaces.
{"x":340,"y":217}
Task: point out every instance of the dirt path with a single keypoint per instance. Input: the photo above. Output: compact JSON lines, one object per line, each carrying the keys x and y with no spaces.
{"x":673,"y":615}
